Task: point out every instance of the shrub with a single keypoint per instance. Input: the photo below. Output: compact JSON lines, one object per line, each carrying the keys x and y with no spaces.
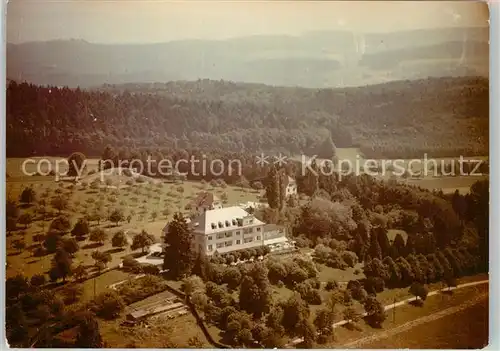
{"x":350,"y":258}
{"x":108,"y":305}
{"x":150,"y":269}
{"x":332,"y":285}
{"x":374,"y":285}
{"x":37,"y":280}
{"x":139,"y":289}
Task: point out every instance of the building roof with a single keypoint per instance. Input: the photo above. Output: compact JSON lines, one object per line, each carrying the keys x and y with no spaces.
{"x":227,"y":217}
{"x":204,"y":199}
{"x":271,"y":227}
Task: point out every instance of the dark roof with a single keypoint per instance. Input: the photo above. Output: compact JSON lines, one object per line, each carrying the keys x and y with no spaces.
{"x":204,"y":199}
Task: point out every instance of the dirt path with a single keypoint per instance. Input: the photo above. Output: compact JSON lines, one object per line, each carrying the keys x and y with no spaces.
{"x":400,"y":303}
{"x":408,"y":325}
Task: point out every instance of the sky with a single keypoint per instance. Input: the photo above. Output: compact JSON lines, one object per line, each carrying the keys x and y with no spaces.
{"x":148,"y":21}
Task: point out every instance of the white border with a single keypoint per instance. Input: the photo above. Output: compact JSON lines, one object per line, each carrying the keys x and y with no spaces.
{"x":494,"y":314}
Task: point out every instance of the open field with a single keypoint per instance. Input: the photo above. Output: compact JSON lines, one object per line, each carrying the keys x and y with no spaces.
{"x":340,"y":275}
{"x":346,"y":338}
{"x":466,"y":329}
{"x":144,"y":202}
{"x":163,"y":333}
{"x":448,"y":184}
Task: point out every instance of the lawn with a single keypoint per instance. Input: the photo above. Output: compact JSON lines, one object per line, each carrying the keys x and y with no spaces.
{"x":102,"y":282}
{"x":162,"y":333}
{"x":327,"y":274}
{"x":407,"y":313}
{"x":466,"y":329}
{"x":391,"y":234}
{"x":144,"y":202}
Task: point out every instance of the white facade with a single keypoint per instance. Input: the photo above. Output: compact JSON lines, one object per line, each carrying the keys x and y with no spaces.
{"x":230,"y":229}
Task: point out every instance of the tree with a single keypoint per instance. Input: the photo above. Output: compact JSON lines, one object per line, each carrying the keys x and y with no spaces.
{"x":394,"y":277}
{"x":60,"y":225}
{"x":375,"y":250}
{"x":375,"y":311}
{"x":308,"y":333}
{"x":419,"y":291}
{"x":142,"y":241}
{"x":42,"y":211}
{"x":98,"y":235}
{"x":101,"y":258}
{"x":19,"y":244}
{"x":28,"y":196}
{"x":275,"y":188}
{"x":450,"y":282}
{"x":109,"y":158}
{"x":295,"y":311}
{"x":80,"y":272}
{"x":61,"y":265}
{"x":37,"y":280}
{"x":76,"y":164}
{"x":119,"y":239}
{"x":51,"y":242}
{"x":201,"y":266}
{"x":89,"y":335}
{"x":11,"y":224}
{"x":399,"y":245}
{"x":193,"y":285}
{"x":179,"y":255}
{"x":154,"y":215}
{"x":327,"y":149}
{"x":117,"y":216}
{"x":166,"y":212}
{"x":310,"y":182}
{"x":108,"y":305}
{"x":351,"y":315}
{"x":81,"y":228}
{"x":60,"y":203}
{"x":11,"y":209}
{"x":72,"y":294}
{"x":70,"y":246}
{"x":255,"y":290}
{"x":323,"y":321}
{"x":16,"y":286}
{"x":407,"y":274}
{"x":232,"y":277}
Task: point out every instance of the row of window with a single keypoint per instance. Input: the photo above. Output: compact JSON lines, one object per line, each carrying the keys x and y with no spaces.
{"x":230,"y":243}
{"x":236,"y":233}
{"x":234,"y":222}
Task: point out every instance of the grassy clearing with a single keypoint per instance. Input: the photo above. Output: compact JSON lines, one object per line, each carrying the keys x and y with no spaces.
{"x":162,"y":333}
{"x":391,"y":234}
{"x":102,"y":282}
{"x":140,"y":201}
{"x":467,"y":329}
{"x":407,"y":313}
{"x":340,"y":275}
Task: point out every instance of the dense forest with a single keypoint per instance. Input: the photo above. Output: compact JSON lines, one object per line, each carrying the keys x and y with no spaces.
{"x":440,"y":116}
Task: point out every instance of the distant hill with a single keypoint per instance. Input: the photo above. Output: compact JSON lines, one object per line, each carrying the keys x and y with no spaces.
{"x":316,"y":59}
{"x":400,"y":119}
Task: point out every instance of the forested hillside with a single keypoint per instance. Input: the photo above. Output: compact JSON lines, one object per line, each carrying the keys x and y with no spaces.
{"x":314,"y":59}
{"x":441,"y":116}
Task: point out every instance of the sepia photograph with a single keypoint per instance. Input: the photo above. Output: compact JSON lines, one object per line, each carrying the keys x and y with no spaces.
{"x":247,"y":174}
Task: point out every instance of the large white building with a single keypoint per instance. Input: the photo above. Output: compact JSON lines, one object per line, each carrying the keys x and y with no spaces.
{"x":230,"y":229}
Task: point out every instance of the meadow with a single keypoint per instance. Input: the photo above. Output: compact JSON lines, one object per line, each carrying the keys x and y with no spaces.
{"x":146,"y":206}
